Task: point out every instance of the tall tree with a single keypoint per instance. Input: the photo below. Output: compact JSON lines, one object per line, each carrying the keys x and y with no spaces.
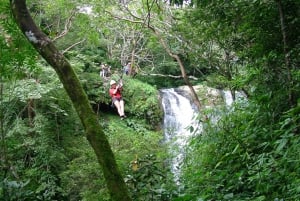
{"x":175,"y":55}
{"x":94,"y":132}
{"x":159,"y":19}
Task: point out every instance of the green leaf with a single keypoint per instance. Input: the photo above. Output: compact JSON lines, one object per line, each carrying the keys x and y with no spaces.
{"x":281,"y":144}
{"x":228,"y":196}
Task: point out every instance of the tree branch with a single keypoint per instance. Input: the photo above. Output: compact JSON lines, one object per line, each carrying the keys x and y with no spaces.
{"x":67,"y":26}
{"x":172,"y":76}
{"x":77,"y":43}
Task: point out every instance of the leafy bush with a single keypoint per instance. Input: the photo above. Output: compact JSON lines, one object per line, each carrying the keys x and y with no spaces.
{"x":147,"y":179}
{"x":247,"y":155}
{"x":142,"y":100}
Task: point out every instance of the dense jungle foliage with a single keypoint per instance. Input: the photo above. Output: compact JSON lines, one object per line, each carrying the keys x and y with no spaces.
{"x":251,"y":153}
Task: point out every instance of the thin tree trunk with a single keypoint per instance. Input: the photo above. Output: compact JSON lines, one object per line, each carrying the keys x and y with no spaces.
{"x":30,"y":112}
{"x":188,"y":83}
{"x":182,"y":69}
{"x":286,"y":51}
{"x":132,"y":61}
{"x":3,"y":148}
{"x":94,"y":132}
{"x":177,"y":58}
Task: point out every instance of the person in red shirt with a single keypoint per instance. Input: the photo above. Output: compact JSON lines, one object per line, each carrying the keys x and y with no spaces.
{"x":115,"y":93}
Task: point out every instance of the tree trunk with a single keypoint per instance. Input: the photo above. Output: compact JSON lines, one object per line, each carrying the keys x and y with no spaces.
{"x":132,"y":61}
{"x":30,"y":112}
{"x":188,"y":83}
{"x":286,"y":51}
{"x":178,"y":60}
{"x":70,"y":81}
{"x":182,"y":69}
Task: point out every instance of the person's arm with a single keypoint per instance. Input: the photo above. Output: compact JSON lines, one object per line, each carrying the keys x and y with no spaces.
{"x":120,"y":86}
{"x":114,"y":91}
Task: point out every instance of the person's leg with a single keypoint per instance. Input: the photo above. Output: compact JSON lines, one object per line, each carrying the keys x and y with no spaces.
{"x":122,"y":107}
{"x":118,"y":106}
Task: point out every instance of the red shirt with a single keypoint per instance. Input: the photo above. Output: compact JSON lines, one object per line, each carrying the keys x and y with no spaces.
{"x":115,"y":95}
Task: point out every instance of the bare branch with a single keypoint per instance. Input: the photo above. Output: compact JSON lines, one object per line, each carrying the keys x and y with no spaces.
{"x":67,"y":26}
{"x":172,"y":76}
{"x":125,"y":19}
{"x":67,"y":49}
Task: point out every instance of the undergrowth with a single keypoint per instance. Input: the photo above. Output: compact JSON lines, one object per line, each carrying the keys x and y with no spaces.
{"x":246,"y":155}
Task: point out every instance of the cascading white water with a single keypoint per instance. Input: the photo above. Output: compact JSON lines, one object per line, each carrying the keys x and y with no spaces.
{"x":227,"y":96}
{"x":179,"y":115}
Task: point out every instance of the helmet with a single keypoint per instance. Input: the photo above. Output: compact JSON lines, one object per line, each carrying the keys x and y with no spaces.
{"x":112,"y":82}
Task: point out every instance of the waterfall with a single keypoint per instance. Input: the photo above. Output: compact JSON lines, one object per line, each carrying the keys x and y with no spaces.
{"x":227,"y":96}
{"x":179,"y":115}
